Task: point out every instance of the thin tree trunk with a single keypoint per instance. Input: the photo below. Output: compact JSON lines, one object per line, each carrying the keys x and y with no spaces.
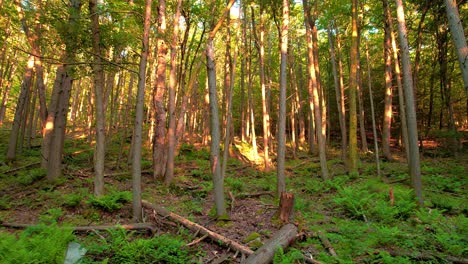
{"x":414,"y":164}
{"x":388,"y":111}
{"x":401,"y":100}
{"x":137,"y":133}
{"x":99,"y":152}
{"x":218,"y":180}
{"x":266,"y":115}
{"x":353,"y":153}
{"x":20,"y":107}
{"x":228,"y":135}
{"x":159,"y":145}
{"x":314,"y":93}
{"x":371,"y":98}
{"x":281,"y":184}
{"x":171,"y":136}
{"x":338,"y":93}
{"x":458,"y":37}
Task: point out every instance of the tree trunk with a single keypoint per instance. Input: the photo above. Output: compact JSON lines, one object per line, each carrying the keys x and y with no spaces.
{"x":314,"y":93}
{"x":159,"y":140}
{"x":371,"y":98}
{"x":137,"y":133}
{"x":171,"y":136}
{"x":218,"y":180}
{"x":388,"y":111}
{"x":458,"y":37}
{"x":281,"y":184}
{"x":20,"y":107}
{"x":266,"y":115}
{"x":339,"y":96}
{"x":353,"y":153}
{"x":283,"y":238}
{"x":414,"y":164}
{"x":99,"y":152}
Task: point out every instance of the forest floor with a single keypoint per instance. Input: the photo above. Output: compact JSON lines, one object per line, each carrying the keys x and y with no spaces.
{"x":364,"y":218}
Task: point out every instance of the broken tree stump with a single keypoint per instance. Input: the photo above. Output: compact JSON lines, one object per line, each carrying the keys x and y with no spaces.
{"x":283,"y":238}
{"x":286,"y":207}
{"x":197,"y":228}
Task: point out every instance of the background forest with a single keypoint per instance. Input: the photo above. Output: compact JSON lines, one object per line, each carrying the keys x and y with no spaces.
{"x":112,"y":111}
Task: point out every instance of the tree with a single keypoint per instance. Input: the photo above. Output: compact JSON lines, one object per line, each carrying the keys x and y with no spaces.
{"x":353,"y":75}
{"x":314,"y":93}
{"x":458,"y":37}
{"x":171,"y":136}
{"x":99,"y":152}
{"x":218,"y":180}
{"x":159,"y":140}
{"x":388,"y":111}
{"x":137,"y":133}
{"x":281,"y":184}
{"x":414,"y":164}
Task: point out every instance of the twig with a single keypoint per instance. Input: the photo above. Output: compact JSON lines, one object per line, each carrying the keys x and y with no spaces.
{"x":251,"y":195}
{"x":22,"y":167}
{"x":196,"y":241}
{"x":327,"y":244}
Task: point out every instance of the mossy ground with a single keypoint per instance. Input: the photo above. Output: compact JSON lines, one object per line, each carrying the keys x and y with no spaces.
{"x":354,"y":212}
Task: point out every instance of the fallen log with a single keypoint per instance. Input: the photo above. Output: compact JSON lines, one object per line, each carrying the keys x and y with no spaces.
{"x":257,"y":194}
{"x":283,"y":238}
{"x":22,"y":167}
{"x":235,"y":246}
{"x":135,"y":226}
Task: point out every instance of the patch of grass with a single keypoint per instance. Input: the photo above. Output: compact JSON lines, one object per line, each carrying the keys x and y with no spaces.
{"x":112,"y":201}
{"x":120,"y":247}
{"x":37,"y":244}
{"x":28,"y":177}
{"x":291,"y":256}
{"x":51,"y":216}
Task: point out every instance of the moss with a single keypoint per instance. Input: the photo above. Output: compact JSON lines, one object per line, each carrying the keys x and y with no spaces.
{"x":252,"y":236}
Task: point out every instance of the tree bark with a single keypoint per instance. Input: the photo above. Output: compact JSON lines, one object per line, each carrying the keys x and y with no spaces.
{"x":314,"y":92}
{"x":99,"y":152}
{"x":388,"y":111}
{"x":339,"y":96}
{"x":137,"y":133}
{"x":414,"y":164}
{"x":371,"y":98}
{"x":159,"y":140}
{"x":353,"y":153}
{"x":459,"y":38}
{"x":20,"y":107}
{"x":281,"y":184}
{"x":261,"y":53}
{"x":283,"y":238}
{"x":218,"y":180}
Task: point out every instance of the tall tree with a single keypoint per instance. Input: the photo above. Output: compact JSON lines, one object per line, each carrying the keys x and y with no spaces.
{"x":137,"y":133}
{"x":218,"y":180}
{"x":171,"y":136}
{"x":458,"y":37}
{"x":281,"y":184}
{"x":353,"y":153}
{"x":159,"y":140}
{"x":314,"y":91}
{"x":388,"y":111}
{"x":414,"y":164}
{"x":261,"y":53}
{"x":99,"y":152}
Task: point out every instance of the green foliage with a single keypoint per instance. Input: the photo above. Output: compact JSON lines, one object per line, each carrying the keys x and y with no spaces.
{"x":121,"y":247}
{"x":51,"y":216}
{"x":37,"y":244}
{"x":291,"y":256}
{"x":370,"y":202}
{"x":72,"y":199}
{"x":235,"y":184}
{"x":28,"y":177}
{"x":112,"y":201}
{"x":5,"y":203}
